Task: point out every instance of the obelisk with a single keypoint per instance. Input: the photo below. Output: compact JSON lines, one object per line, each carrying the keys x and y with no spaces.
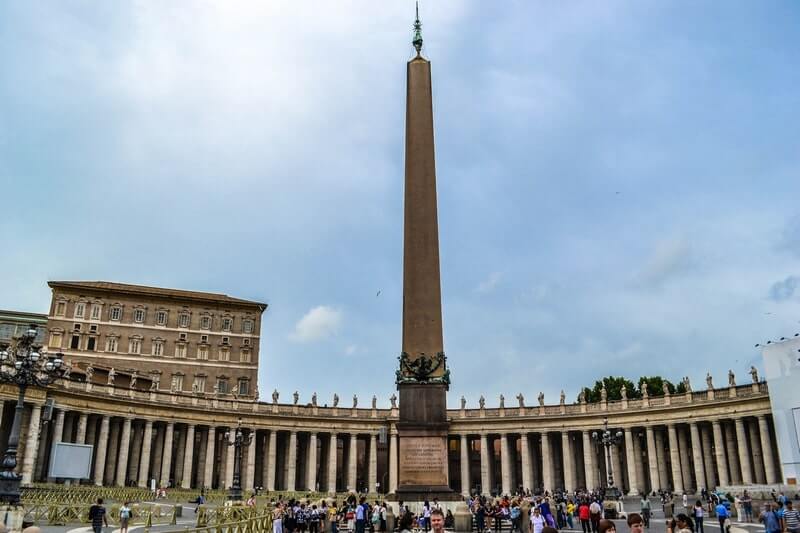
{"x":422,"y":376}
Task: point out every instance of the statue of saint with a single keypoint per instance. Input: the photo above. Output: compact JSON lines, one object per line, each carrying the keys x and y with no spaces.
{"x":541,"y":399}
{"x":355,"y":401}
{"x":112,"y":375}
{"x":645,"y":392}
{"x":374,"y":402}
{"x":709,"y":381}
{"x":67,"y":371}
{"x":256,"y":392}
{"x":582,"y":396}
{"x":134,"y":377}
{"x":89,"y":373}
{"x":624,"y":392}
{"x":687,"y":384}
{"x":275,"y":395}
{"x":482,"y":402}
{"x":195,"y":388}
{"x":335,"y":400}
{"x":521,"y":400}
{"x":314,"y":399}
{"x":731,"y":379}
{"x":754,"y":374}
{"x":463,"y":403}
{"x":393,"y":400}
{"x":296,"y":397}
{"x":603,"y":393}
{"x":502,"y":401}
{"x":562,"y":401}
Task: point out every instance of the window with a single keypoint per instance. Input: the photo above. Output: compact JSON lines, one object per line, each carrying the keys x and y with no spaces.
{"x":180,"y":351}
{"x":247,"y":326}
{"x":116,"y":313}
{"x":135,"y":346}
{"x":91,"y":342}
{"x":246,"y":342}
{"x":184,"y":320}
{"x":227,"y":323}
{"x":111,"y":344}
{"x":80,"y":308}
{"x":199,"y":384}
{"x":202,"y":352}
{"x":93,"y":328}
{"x":204,"y":339}
{"x":182,"y":337}
{"x":76,"y":327}
{"x":226,"y":340}
{"x":96,"y":311}
{"x":61,"y":308}
{"x":177,"y":382}
{"x":245,"y":357}
{"x":161,"y":318}
{"x":75,"y":343}
{"x":224,"y":354}
{"x":55,"y":340}
{"x":205,"y":322}
{"x":138,"y":315}
{"x":158,"y":347}
{"x":222,"y":385}
{"x":244,"y":387}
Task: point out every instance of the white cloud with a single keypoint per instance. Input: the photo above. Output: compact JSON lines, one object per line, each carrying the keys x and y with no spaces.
{"x":351,"y":349}
{"x":320,"y":322}
{"x":489,"y":284}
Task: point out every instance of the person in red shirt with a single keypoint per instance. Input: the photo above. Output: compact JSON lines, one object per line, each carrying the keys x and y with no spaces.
{"x":585,"y":515}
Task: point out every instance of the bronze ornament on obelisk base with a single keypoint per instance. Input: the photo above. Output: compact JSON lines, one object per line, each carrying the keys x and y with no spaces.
{"x":422,"y":376}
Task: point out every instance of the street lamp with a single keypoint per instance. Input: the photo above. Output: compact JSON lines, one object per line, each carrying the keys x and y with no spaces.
{"x":238,"y":439}
{"x":23,"y":365}
{"x":607,"y":439}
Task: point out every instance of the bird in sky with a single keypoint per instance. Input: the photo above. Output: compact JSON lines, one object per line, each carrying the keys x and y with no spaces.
{"x":377,"y":294}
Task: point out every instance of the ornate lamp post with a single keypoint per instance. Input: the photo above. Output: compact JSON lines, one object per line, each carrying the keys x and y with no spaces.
{"x":607,"y":439}
{"x":24,"y":366}
{"x":237,"y":439}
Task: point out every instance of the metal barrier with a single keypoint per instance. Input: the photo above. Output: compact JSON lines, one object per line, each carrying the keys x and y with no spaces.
{"x":147,"y":514}
{"x":256,"y":523}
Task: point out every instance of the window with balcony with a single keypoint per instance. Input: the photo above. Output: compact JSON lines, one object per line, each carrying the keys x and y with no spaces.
{"x":224,"y":354}
{"x":135,"y":346}
{"x":222,"y":385}
{"x":199,"y":384}
{"x":177,"y":382}
{"x":180,"y":351}
{"x":202,"y":352}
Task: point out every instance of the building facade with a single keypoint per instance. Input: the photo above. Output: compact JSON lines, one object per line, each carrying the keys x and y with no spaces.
{"x":15,"y":323}
{"x":148,"y":338}
{"x":683,"y":442}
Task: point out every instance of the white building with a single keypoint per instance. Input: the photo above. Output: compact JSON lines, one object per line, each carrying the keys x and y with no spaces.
{"x":782,"y":366}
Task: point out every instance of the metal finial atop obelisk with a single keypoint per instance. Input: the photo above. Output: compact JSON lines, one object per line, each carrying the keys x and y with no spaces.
{"x":417,"y":42}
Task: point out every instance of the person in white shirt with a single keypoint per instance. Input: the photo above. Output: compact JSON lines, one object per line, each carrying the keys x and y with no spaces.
{"x":537,"y":521}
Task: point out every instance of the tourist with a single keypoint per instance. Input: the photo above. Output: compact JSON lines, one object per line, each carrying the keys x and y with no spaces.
{"x":437,"y":520}
{"x":251,"y":501}
{"x":97,"y":515}
{"x":449,"y":520}
{"x":537,"y":521}
{"x":570,"y":513}
{"x":737,"y":503}
{"x":680,"y":524}
{"x":480,"y":516}
{"x":314,"y":519}
{"x":791,"y":518}
{"x":514,"y":514}
{"x":350,"y":516}
{"x":361,"y":515}
{"x":635,"y":523}
{"x":606,"y":526}
{"x":698,"y":513}
{"x":406,"y":524}
{"x":125,"y":515}
{"x":585,"y":516}
{"x":723,"y":517}
{"x":333,"y":516}
{"x":685,"y":502}
{"x":769,"y":517}
{"x":747,"y":504}
{"x":595,"y":511}
{"x":277,"y":519}
{"x":644,"y":506}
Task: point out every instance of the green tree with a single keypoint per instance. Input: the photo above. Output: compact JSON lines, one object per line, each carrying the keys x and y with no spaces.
{"x":614,"y":385}
{"x":655,"y":385}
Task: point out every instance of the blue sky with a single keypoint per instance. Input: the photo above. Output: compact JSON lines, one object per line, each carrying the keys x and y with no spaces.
{"x":618,"y":181}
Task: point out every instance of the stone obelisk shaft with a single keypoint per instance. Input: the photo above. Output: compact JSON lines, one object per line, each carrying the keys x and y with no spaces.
{"x":422,"y":300}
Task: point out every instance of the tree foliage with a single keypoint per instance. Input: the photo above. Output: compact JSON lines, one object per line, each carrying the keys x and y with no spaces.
{"x":614,"y":385}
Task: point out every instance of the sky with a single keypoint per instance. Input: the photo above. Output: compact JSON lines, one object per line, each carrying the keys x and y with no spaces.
{"x":618,"y":181}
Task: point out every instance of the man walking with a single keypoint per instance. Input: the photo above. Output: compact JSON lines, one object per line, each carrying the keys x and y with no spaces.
{"x":97,"y":514}
{"x":791,"y":518}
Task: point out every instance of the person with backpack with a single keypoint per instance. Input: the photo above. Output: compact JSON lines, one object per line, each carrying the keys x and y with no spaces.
{"x":97,"y":515}
{"x":125,"y":514}
{"x":723,"y":516}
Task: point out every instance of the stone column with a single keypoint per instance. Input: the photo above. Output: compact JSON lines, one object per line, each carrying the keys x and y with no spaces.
{"x":158,"y":454}
{"x":124,"y":448}
{"x":675,"y":459}
{"x":652,"y":460}
{"x":147,"y":442}
{"x":372,"y":480}
{"x":464,"y":449}
{"x":766,"y":450}
{"x":708,"y":455}
{"x":685,"y":453}
{"x":31,"y":445}
{"x":590,"y":470}
{"x":229,"y":459}
{"x":166,"y":458}
{"x":352,"y":463}
{"x":616,"y":465}
{"x":393,"y":460}
{"x":663,"y":476}
{"x":272,"y":458}
{"x":547,"y":463}
{"x":641,"y":476}
{"x":291,"y":462}
{"x":566,"y":453}
{"x":112,"y":452}
{"x":100,"y":452}
{"x":80,"y":434}
{"x":136,"y":452}
{"x":527,"y":472}
{"x":333,"y":454}
{"x":744,"y":455}
{"x":485,"y":478}
{"x":733,"y":456}
{"x":211,"y":441}
{"x":630,"y":458}
{"x":188,"y":458}
{"x":759,"y":472}
{"x":250,"y":478}
{"x":697,"y":457}
{"x":505,"y":464}
{"x":311,"y":463}
{"x":719,"y":453}
{"x":58,"y":431}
